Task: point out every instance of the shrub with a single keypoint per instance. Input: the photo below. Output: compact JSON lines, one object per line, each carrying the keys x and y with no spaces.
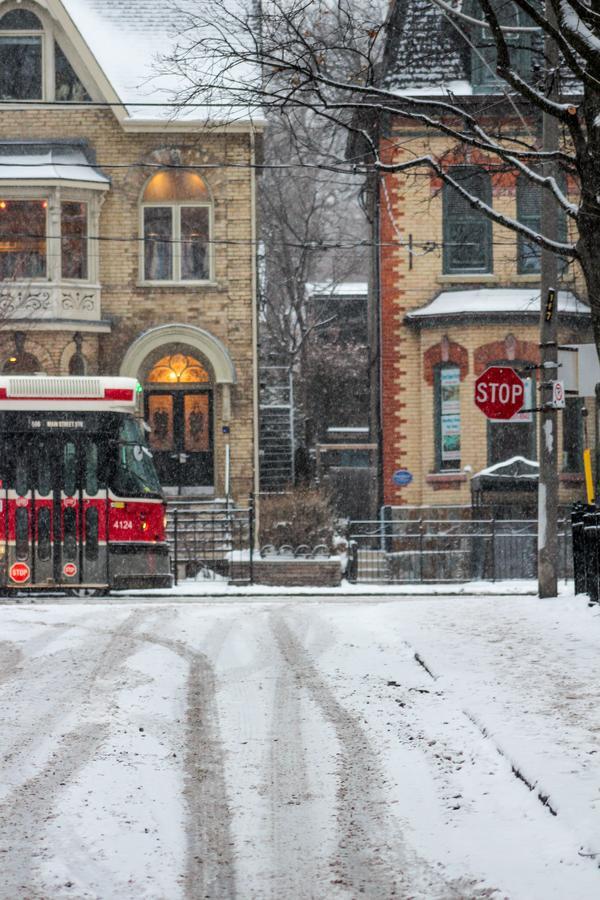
{"x":302,"y":516}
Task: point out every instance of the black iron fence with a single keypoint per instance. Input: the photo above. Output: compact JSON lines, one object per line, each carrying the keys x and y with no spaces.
{"x":585,"y":522}
{"x":432,"y":550}
{"x":215,"y":544}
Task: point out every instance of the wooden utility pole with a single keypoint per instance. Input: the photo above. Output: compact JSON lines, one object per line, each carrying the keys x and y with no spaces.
{"x":548,"y":450}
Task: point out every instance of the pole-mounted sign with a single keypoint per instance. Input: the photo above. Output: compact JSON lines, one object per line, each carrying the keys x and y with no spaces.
{"x":499,"y":392}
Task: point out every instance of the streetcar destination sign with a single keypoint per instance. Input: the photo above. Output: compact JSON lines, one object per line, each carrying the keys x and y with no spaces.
{"x":499,"y":392}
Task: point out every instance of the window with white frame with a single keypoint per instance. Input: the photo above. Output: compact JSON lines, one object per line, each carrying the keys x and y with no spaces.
{"x":33,"y":65}
{"x":176,"y":224}
{"x":34,"y":225}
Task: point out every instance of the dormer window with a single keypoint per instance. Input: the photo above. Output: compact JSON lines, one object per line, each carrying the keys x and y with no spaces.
{"x":522,"y":47}
{"x":33,"y":66}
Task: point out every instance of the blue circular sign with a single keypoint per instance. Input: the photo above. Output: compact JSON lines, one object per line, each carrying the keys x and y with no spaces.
{"x":402,"y":477}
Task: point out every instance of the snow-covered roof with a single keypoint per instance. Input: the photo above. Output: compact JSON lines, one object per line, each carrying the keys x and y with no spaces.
{"x":43,"y":162}
{"x":498,"y":302}
{"x":515,"y":467}
{"x":429,"y":52}
{"x":338,"y":289}
{"x":131,"y":41}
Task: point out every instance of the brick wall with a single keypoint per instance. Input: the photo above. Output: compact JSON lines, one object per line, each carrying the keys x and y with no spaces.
{"x":223,"y":308}
{"x":411,"y":210}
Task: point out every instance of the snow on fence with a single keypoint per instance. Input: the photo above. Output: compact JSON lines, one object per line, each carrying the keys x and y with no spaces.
{"x":434,"y":550}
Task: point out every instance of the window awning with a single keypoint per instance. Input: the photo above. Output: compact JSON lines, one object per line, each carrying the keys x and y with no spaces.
{"x":493,"y":303}
{"x":48,"y":164}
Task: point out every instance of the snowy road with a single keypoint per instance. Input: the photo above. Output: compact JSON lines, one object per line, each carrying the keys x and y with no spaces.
{"x":427,"y":748}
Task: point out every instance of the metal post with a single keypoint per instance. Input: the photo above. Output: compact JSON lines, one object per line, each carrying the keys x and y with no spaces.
{"x":175,"y":547}
{"x":251,"y":538}
{"x":421,"y":536}
{"x":548,"y":480}
{"x":493,"y":549}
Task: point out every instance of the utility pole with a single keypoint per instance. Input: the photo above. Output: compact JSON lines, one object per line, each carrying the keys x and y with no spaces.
{"x":548,"y":434}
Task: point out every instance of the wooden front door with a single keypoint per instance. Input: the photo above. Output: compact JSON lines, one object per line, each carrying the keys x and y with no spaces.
{"x":181,"y":436}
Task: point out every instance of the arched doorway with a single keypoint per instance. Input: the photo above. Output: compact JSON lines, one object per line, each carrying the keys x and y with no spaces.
{"x":178,"y":401}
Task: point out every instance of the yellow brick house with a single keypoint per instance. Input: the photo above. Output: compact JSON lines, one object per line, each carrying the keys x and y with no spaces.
{"x":127,"y":230}
{"x":454,"y":292}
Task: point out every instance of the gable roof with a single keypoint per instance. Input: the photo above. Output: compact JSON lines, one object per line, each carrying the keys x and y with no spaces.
{"x":122,"y":44}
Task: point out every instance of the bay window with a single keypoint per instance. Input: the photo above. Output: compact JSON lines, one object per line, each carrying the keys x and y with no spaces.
{"x":176,"y":222}
{"x":23,"y":227}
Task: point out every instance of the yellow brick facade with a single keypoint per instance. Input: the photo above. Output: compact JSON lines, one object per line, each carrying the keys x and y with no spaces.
{"x":224,"y":308}
{"x":411,"y":236}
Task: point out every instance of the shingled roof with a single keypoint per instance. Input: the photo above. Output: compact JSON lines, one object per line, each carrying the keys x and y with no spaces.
{"x":423,"y":53}
{"x":428,"y":53}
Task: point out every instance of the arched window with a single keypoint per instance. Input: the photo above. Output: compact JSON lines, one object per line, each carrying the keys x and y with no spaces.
{"x":447,"y":428}
{"x":176,"y":213}
{"x":178,"y":369}
{"x":21,"y":70}
{"x":467,"y":232}
{"x":28,"y":52}
{"x":22,"y":364}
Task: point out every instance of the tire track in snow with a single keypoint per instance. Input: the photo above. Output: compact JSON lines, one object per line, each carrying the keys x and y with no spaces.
{"x":26,"y":809}
{"x":372,"y":859}
{"x":210,"y":871}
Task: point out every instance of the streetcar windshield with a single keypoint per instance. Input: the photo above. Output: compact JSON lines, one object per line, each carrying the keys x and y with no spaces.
{"x":133,"y":474}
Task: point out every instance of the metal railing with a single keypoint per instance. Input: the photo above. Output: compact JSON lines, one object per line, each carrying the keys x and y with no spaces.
{"x":433,"y":550}
{"x":585,"y":521}
{"x":212,"y":544}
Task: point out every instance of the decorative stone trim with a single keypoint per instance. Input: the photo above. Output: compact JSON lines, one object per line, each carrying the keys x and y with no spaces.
{"x":445,"y":481}
{"x":446,"y":351}
{"x":510,"y":348}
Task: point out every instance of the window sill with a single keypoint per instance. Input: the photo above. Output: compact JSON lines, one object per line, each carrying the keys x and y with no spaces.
{"x":487,"y":278}
{"x":445,"y":481}
{"x":177,"y":284}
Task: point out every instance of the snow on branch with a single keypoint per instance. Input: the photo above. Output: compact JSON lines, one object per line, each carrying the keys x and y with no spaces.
{"x":563,"y":249}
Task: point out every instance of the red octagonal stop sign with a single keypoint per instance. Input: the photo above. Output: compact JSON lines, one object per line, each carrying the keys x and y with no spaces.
{"x":499,"y":392}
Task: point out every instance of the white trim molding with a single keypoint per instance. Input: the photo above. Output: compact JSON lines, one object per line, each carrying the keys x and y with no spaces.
{"x":206,"y":343}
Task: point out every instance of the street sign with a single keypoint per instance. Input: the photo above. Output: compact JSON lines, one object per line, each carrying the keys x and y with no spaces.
{"x":558,"y":395}
{"x":402,"y":477}
{"x":19,"y":572}
{"x":499,"y":392}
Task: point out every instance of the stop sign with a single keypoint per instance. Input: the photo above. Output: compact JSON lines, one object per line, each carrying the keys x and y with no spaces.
{"x":499,"y":392}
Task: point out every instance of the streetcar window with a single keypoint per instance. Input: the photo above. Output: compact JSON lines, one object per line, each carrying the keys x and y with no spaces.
{"x":91,"y":533}
{"x":43,"y":533}
{"x":69,"y":533}
{"x":22,"y":532}
{"x":44,"y":476}
{"x":91,"y":470}
{"x":134,"y":474}
{"x":21,"y":473}
{"x":70,"y":469}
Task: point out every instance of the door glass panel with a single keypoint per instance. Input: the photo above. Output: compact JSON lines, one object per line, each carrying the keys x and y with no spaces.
{"x":43,"y":533}
{"x":69,"y":533}
{"x":22,"y":532}
{"x":91,"y":533}
{"x":44,"y":475}
{"x":196,"y":423}
{"x":91,"y":470}
{"x":160,"y":419}
{"x":70,"y":469}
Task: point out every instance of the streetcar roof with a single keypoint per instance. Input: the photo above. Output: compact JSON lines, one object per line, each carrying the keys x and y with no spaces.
{"x":78,"y":393}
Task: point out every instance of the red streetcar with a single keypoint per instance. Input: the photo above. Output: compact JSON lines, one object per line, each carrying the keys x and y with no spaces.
{"x":81,"y":507}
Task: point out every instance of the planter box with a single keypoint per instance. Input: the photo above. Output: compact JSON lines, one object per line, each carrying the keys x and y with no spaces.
{"x":297,"y":572}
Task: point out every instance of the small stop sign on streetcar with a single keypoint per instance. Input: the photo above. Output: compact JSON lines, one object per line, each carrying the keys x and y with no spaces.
{"x":499,"y":392}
